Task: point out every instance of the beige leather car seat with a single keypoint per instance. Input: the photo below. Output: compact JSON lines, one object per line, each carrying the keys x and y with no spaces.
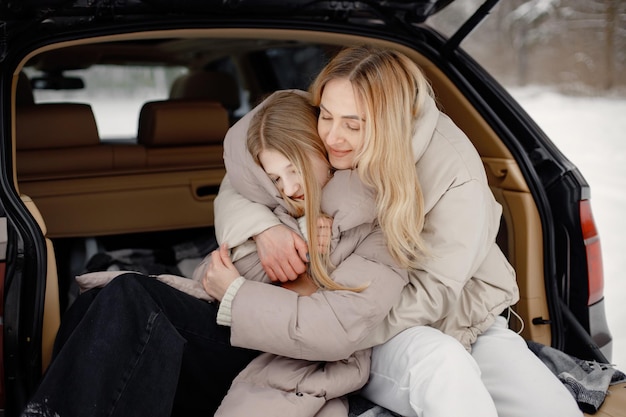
{"x":52,"y":311}
{"x":55,"y":138}
{"x":208,"y":85}
{"x":183,"y":133}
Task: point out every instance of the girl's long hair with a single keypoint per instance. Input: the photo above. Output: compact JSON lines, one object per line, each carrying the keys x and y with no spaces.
{"x":287,"y":124}
{"x":392,"y":90}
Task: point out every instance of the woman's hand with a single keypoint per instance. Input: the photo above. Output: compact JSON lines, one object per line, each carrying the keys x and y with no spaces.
{"x":282,"y":252}
{"x":324,"y":233}
{"x":220,"y":273}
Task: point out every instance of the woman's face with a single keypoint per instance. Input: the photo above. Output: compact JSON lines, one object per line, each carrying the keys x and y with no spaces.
{"x":340,"y":123}
{"x":286,"y":176}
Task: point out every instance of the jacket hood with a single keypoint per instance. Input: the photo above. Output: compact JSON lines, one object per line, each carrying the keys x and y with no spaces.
{"x":246,"y":176}
{"x":424,"y":128}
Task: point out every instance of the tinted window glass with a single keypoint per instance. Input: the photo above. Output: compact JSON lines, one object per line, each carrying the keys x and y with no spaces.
{"x":297,"y":67}
{"x":115,"y":93}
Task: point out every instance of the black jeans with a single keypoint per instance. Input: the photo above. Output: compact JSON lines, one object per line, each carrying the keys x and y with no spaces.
{"x":138,"y":347}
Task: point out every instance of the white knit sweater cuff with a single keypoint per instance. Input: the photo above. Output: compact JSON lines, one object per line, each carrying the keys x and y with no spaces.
{"x":224,"y":316}
{"x":302,"y":226}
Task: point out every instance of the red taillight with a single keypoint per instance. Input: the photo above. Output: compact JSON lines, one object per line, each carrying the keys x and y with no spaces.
{"x":2,"y":387}
{"x":594,"y":253}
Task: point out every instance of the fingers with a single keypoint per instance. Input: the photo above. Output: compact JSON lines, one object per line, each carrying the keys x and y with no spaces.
{"x":278,"y":275}
{"x":302,"y":250}
{"x":220,"y":273}
{"x":271,"y":274}
{"x":297,"y":265}
{"x":324,"y":233}
{"x":324,"y":221}
{"x":216,"y":259}
{"x":225,"y":255}
{"x":288,"y":271}
{"x":297,"y":259}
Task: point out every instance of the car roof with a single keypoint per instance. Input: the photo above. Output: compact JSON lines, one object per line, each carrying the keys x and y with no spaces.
{"x":415,"y":10}
{"x":42,"y":19}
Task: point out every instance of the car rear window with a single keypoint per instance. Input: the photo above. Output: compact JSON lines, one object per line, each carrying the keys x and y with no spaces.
{"x":115,"y":93}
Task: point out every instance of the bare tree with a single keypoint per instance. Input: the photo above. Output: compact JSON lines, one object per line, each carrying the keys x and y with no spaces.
{"x":609,"y":37}
{"x":598,"y":25}
{"x":527,"y":25}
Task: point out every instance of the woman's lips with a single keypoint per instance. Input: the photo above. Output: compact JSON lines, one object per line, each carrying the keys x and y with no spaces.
{"x":337,"y":153}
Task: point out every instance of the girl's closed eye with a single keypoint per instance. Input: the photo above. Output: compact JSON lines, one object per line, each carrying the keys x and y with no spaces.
{"x":274,"y":179}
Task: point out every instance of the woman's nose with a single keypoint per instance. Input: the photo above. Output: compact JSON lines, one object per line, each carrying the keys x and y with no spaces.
{"x":332,"y":136}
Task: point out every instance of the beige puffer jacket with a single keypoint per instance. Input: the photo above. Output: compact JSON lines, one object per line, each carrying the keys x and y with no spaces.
{"x":285,"y":381}
{"x":466,"y":282}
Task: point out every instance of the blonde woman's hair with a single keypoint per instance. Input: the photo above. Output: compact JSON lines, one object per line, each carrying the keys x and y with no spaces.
{"x":287,"y":124}
{"x":392,"y":90}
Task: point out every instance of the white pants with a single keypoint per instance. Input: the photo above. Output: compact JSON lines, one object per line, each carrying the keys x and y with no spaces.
{"x":423,"y":372}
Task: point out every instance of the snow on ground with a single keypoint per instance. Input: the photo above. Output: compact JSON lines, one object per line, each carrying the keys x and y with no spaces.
{"x":591,"y":132}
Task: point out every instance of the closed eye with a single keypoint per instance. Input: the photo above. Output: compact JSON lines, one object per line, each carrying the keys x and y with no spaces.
{"x":274,"y":179}
{"x":353,"y":127}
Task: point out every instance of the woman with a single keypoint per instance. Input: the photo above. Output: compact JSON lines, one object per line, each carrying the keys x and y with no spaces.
{"x":440,"y":220}
{"x":282,"y":139}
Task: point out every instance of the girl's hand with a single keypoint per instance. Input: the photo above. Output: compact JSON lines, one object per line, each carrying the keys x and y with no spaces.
{"x":219,"y":274}
{"x":324,"y":233}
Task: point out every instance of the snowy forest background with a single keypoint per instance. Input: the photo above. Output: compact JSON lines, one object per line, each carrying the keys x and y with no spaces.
{"x":578,"y":46}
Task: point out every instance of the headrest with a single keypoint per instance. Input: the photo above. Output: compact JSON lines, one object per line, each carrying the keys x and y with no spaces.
{"x":215,"y":86}
{"x":55,"y":125}
{"x":182,"y":122}
{"x":23,"y":91}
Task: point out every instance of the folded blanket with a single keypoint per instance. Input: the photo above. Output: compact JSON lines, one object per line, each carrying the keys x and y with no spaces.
{"x":187,"y":285}
{"x":587,"y":381}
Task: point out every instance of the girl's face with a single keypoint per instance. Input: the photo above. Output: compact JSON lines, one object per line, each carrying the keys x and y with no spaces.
{"x":286,"y":176}
{"x":340,"y":123}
